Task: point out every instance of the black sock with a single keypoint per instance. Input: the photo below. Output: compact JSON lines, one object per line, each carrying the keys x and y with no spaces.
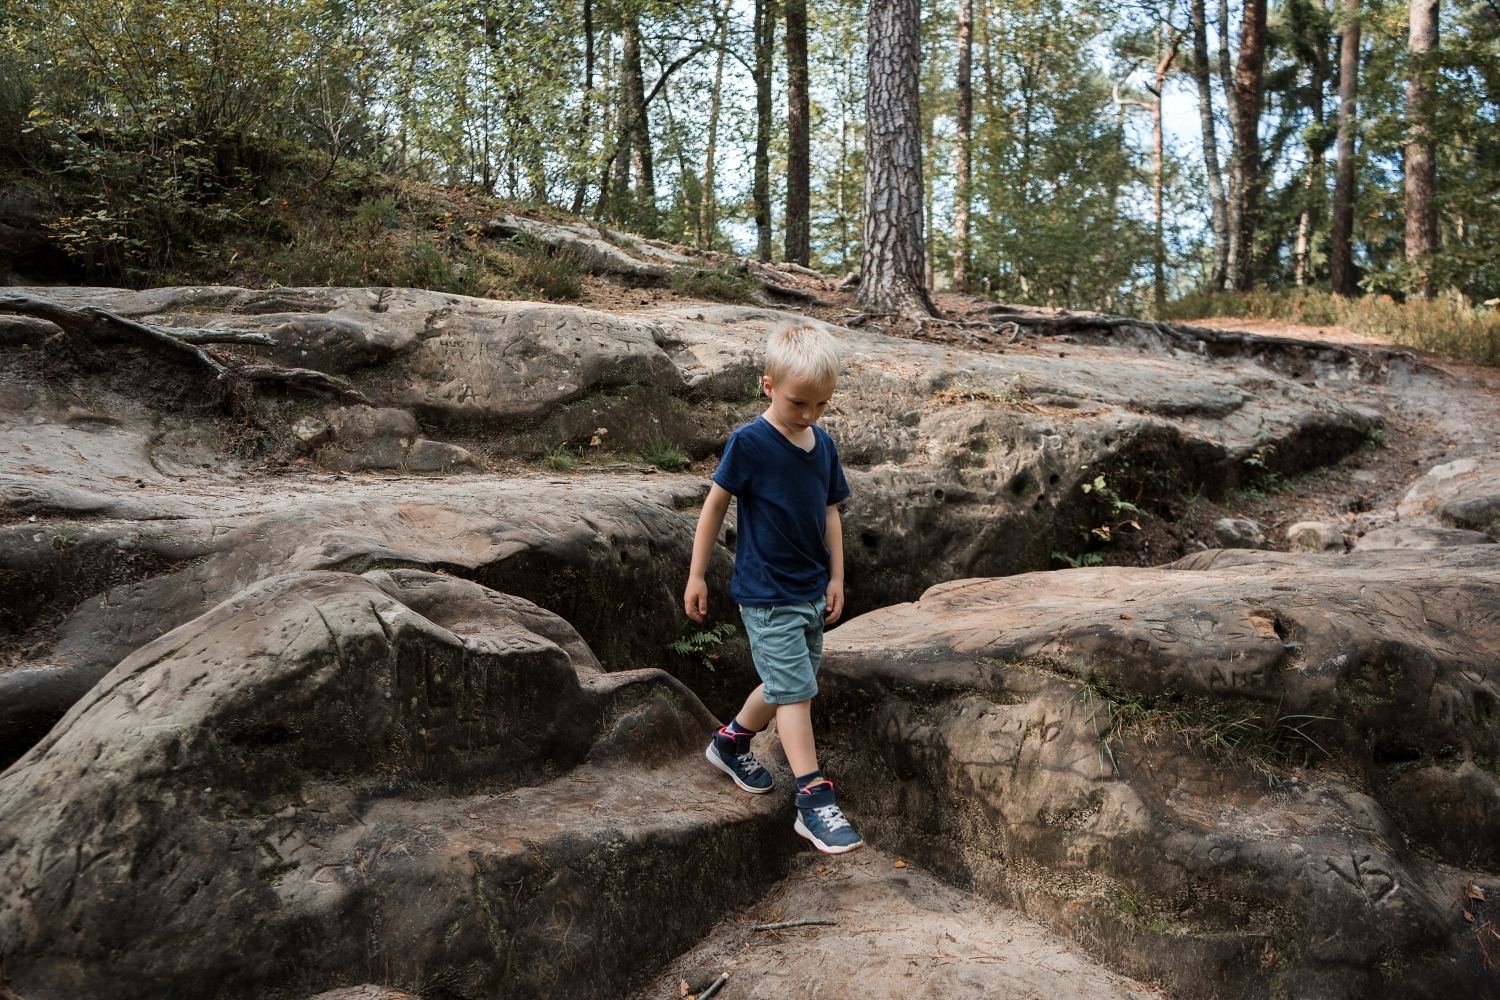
{"x":739,"y":730}
{"x":811,"y":778}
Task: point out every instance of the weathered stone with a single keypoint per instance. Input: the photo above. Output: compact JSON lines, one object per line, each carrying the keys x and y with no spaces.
{"x":1315,"y":536}
{"x":1239,"y":533}
{"x":1464,"y":494}
{"x":1138,"y":758}
{"x":438,"y":456}
{"x":399,"y":777}
{"x":1420,"y":536}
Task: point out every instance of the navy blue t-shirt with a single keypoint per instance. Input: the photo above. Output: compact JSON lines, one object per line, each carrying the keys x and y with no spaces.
{"x":783,"y":495}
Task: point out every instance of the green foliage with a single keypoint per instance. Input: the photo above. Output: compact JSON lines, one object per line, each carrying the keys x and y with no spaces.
{"x":559,"y":457}
{"x":728,"y":282}
{"x":553,"y":273}
{"x":665,"y":455}
{"x":703,"y":645}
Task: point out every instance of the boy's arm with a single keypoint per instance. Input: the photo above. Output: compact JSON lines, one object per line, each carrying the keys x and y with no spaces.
{"x":833,"y":537}
{"x":695,"y":598}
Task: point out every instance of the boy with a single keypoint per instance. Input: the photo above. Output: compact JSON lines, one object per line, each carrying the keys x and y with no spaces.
{"x":788,"y":571}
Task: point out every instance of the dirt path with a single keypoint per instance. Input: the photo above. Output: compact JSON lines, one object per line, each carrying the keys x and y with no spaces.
{"x":899,"y":933}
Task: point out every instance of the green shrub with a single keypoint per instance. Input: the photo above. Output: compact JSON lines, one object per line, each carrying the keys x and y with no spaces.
{"x":554,"y":273}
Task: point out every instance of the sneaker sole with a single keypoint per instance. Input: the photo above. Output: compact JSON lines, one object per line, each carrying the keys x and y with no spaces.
{"x":713,"y":759}
{"x":803,"y":831}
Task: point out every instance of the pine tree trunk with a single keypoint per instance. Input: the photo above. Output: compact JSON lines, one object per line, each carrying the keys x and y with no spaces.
{"x":1421,"y":164}
{"x":707,"y":223}
{"x":640,"y":130}
{"x":1341,"y":248}
{"x":1158,"y":162}
{"x":1236,"y":180}
{"x":765,"y":44}
{"x":963,"y":155}
{"x":798,"y":156}
{"x":891,"y":271}
{"x":1247,"y":90}
{"x":1219,"y":211}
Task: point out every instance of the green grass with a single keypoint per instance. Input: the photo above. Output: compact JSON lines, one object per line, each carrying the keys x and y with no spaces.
{"x":665,"y":455}
{"x":560,"y":457}
{"x":725,"y":283}
{"x":1447,"y":325}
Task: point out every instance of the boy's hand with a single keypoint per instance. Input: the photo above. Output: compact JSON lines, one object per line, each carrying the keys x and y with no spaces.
{"x":834,"y":601}
{"x":695,"y":598}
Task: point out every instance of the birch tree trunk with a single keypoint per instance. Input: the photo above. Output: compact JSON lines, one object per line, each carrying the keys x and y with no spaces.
{"x":640,"y":130}
{"x":1341,"y":248}
{"x":1421,"y":164}
{"x":1313,"y":189}
{"x":708,"y":206}
{"x":963,"y":155}
{"x":891,"y":270}
{"x":760,"y":192}
{"x":1219,"y":210}
{"x":1236,"y":180}
{"x":798,"y":157}
{"x":1247,"y":89}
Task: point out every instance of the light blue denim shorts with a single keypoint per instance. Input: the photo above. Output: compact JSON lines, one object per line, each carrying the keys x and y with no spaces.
{"x":786,"y":643}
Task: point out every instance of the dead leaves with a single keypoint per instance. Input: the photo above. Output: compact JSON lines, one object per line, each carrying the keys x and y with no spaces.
{"x":1486,"y":935}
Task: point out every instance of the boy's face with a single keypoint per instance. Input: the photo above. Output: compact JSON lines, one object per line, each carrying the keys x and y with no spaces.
{"x":796,"y":404}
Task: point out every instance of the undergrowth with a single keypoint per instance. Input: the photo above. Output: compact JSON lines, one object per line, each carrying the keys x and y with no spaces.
{"x":1447,"y":325}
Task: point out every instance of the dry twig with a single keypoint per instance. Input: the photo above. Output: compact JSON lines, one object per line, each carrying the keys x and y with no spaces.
{"x":784,"y":924}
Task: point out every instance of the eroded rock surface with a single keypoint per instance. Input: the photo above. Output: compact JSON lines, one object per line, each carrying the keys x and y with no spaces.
{"x":398,"y":777}
{"x":1248,"y":773}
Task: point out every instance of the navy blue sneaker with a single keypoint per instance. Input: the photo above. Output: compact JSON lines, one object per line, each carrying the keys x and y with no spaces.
{"x":731,"y":753}
{"x":821,"y":821}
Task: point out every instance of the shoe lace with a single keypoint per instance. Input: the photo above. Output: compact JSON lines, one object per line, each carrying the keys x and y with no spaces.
{"x":832,"y":817}
{"x":749,"y":761}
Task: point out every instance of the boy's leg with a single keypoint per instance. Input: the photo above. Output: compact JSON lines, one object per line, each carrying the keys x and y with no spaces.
{"x":794,"y":726}
{"x":819,"y":818}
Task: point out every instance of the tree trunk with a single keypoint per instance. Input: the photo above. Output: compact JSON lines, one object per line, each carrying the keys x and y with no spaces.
{"x":1421,"y":164}
{"x":1247,"y":89}
{"x":891,"y":271}
{"x":640,"y":130}
{"x":1218,"y":208}
{"x":707,"y":222}
{"x":1236,"y":180}
{"x":582,"y":190}
{"x":765,"y":44}
{"x":1341,"y":249}
{"x":1312,"y":185}
{"x":963,"y":155}
{"x":1167,"y":51}
{"x":798,"y":156}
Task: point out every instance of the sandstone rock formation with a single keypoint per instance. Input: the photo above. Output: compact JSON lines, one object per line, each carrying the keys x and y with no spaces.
{"x":336,"y":779}
{"x":1247,"y":774}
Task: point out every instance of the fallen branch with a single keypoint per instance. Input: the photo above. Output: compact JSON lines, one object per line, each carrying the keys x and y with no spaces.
{"x":219,"y":336}
{"x":784,"y":924}
{"x":792,"y":293}
{"x":718,"y":984}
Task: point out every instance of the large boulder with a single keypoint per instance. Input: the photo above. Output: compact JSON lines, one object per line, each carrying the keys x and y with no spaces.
{"x":400,"y":777}
{"x":1247,"y":774}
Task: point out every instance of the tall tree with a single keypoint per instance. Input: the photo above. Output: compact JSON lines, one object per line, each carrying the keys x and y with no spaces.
{"x":1341,"y":242}
{"x":891,"y":270}
{"x":582,"y":190}
{"x":1247,"y":92}
{"x":765,"y":47}
{"x":798,"y":155}
{"x":1236,"y":163}
{"x":1218,"y":208}
{"x":1309,"y":38}
{"x":1168,"y":38}
{"x":1421,"y":163}
{"x":641,"y":159}
{"x":963,"y":155}
{"x":708,"y":208}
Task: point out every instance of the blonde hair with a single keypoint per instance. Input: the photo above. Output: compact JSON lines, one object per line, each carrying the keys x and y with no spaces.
{"x":799,"y":350}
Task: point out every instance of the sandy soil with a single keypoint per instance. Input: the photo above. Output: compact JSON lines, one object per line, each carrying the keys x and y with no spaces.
{"x":896,"y":932}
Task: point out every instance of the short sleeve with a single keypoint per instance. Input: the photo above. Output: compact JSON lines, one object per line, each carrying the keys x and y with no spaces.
{"x":838,"y":486}
{"x":733,"y":473}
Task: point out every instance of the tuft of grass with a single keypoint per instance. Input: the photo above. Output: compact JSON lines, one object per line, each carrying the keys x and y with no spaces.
{"x":1447,"y":325}
{"x":665,"y":455}
{"x":726,"y":283}
{"x":554,"y":273}
{"x":559,"y":457}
